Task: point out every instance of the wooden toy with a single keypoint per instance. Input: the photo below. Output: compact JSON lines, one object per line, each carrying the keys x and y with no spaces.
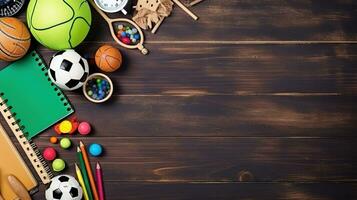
{"x":95,"y":149}
{"x":58,"y":165}
{"x":108,"y":58}
{"x":192,"y":3}
{"x":111,"y":22}
{"x":154,"y":11}
{"x":84,"y":128}
{"x":149,"y":12}
{"x":49,"y":153}
{"x":15,"y":39}
{"x":185,"y":9}
{"x":65,"y":143}
{"x":98,"y":88}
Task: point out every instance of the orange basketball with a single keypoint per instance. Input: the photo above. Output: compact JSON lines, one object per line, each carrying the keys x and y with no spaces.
{"x":108,"y":58}
{"x":15,"y":39}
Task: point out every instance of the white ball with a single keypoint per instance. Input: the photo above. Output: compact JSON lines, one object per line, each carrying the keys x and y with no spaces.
{"x":64,"y":187}
{"x":68,"y":70}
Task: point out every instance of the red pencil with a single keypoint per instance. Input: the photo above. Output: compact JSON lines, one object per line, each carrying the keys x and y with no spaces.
{"x":100,"y":181}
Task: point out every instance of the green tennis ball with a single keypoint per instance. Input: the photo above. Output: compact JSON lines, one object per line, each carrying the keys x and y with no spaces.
{"x":59,"y":24}
{"x":58,"y":165}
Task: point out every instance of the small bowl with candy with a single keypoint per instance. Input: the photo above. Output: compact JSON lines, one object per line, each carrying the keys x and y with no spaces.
{"x":98,"y":88}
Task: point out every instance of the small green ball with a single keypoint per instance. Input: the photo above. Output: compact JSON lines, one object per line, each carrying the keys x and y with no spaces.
{"x":58,"y":165}
{"x":65,"y":143}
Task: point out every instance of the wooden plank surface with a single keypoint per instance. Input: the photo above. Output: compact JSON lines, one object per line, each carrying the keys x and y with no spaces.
{"x":214,"y":191}
{"x":242,"y":20}
{"x":234,"y":69}
{"x":222,"y":159}
{"x":214,"y":113}
{"x":206,"y":116}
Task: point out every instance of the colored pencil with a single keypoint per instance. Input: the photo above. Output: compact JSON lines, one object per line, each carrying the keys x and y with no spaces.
{"x":84,"y":173}
{"x":100,"y":181}
{"x":89,"y":170}
{"x":80,"y":179}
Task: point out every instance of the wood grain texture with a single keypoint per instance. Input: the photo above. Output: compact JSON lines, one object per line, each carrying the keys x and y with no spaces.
{"x":209,"y":69}
{"x":221,"y":159}
{"x":242,"y":20}
{"x":214,"y":191}
{"x":207,"y":116}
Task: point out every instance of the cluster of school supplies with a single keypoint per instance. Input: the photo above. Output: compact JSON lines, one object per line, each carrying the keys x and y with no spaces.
{"x":31,"y":99}
{"x":91,"y":190}
{"x":30,"y":103}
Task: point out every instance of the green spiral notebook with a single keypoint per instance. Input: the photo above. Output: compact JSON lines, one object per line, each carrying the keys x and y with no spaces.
{"x":34,"y":102}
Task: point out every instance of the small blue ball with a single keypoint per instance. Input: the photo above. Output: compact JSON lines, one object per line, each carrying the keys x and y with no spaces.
{"x":95,"y":149}
{"x":137,"y":36}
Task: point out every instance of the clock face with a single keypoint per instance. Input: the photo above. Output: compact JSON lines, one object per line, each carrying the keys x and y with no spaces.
{"x":10,"y":7}
{"x":111,"y":6}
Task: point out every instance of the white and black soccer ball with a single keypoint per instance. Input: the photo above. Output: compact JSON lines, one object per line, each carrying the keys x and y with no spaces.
{"x":68,"y":70}
{"x":64,"y":187}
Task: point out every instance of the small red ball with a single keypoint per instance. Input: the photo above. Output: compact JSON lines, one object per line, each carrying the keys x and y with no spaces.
{"x":49,"y":153}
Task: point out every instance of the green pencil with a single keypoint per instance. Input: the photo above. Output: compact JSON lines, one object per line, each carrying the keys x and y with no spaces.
{"x":84,"y":173}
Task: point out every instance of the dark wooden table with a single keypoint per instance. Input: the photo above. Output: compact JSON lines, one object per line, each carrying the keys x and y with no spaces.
{"x":256,"y":100}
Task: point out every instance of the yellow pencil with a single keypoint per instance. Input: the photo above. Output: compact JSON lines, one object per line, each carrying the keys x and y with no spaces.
{"x":80,"y":179}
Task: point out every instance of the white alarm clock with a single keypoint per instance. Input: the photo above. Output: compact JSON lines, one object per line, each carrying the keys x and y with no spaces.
{"x":112,"y":6}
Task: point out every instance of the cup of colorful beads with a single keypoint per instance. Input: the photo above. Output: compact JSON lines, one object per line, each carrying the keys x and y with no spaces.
{"x":127,"y":34}
{"x":98,"y":88}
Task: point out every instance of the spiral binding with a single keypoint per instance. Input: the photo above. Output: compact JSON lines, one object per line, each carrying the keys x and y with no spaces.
{"x":55,"y":88}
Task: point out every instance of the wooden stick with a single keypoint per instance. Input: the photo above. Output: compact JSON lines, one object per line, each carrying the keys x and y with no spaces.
{"x":183,"y":7}
{"x":19,"y":189}
{"x":157,"y":25}
{"x":195,"y":2}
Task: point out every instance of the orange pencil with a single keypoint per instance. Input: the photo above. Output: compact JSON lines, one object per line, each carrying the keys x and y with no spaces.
{"x":89,"y":170}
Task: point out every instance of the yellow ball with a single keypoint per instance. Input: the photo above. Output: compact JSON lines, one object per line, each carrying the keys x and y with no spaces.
{"x":65,"y":126}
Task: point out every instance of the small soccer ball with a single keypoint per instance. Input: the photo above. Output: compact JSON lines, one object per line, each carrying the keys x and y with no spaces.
{"x":64,"y":187}
{"x":68,"y":70}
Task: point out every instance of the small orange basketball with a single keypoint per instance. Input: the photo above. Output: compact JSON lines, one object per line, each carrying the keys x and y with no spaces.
{"x":108,"y":58}
{"x":15,"y":39}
